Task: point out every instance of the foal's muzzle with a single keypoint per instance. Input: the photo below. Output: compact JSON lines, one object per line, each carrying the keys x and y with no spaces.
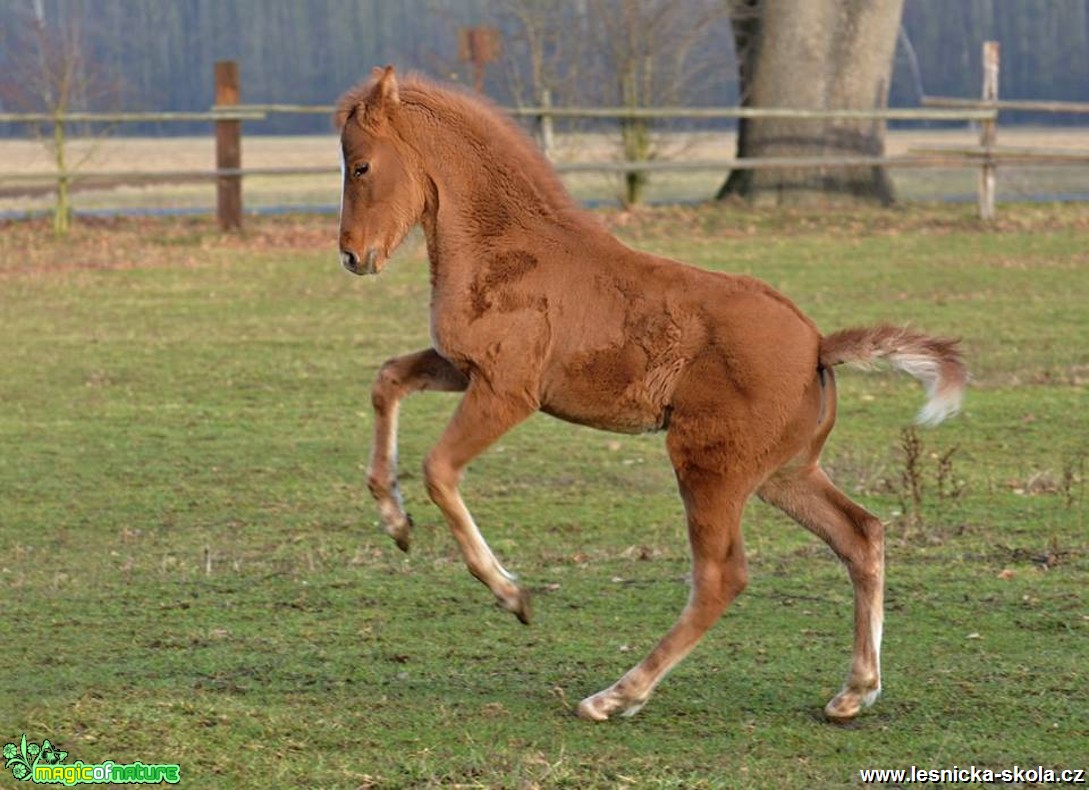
{"x":350,"y":261}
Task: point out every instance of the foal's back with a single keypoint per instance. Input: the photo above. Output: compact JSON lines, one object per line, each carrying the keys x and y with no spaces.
{"x":637,"y":341}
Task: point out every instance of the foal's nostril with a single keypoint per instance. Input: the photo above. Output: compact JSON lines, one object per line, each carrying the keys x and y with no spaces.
{"x":350,"y":261}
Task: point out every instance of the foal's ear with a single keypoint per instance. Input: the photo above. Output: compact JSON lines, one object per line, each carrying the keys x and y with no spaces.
{"x":370,"y":102}
{"x":380,"y":98}
{"x":385,"y":86}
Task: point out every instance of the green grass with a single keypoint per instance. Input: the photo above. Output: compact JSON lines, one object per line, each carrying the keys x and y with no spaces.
{"x":192,"y":572}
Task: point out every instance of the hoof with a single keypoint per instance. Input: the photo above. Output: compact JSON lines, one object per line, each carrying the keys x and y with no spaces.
{"x":602,"y":705}
{"x":840,"y":711}
{"x":391,"y":513}
{"x":846,"y":705}
{"x":521,"y":606}
{"x":399,"y":527}
{"x":589,"y":711}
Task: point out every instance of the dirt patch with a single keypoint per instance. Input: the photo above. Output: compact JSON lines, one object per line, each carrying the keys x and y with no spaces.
{"x":90,"y":184}
{"x":29,"y":246}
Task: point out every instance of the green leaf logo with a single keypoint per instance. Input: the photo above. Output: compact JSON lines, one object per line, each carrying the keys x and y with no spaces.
{"x":20,"y":759}
{"x":51,"y":755}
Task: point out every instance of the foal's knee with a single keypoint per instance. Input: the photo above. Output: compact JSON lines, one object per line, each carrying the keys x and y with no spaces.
{"x":718,"y":584}
{"x":387,"y":386}
{"x":714,"y":592}
{"x":736,"y":580}
{"x":874,"y":530}
{"x":868,"y":560}
{"x":439,"y":477}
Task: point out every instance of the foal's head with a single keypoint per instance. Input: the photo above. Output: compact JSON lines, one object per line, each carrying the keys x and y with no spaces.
{"x":383,"y":192}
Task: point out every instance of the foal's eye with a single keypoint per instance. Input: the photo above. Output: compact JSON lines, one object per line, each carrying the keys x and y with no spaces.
{"x":361,"y":170}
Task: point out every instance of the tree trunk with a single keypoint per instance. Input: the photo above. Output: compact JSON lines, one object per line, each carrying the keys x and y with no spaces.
{"x":745,"y":25}
{"x":813,"y":55}
{"x":62,"y":210}
{"x":635,"y":136}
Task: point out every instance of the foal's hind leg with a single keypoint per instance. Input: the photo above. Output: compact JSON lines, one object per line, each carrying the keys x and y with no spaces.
{"x":481,"y":418}
{"x":713,"y":504}
{"x":398,"y":378}
{"x":857,"y":537}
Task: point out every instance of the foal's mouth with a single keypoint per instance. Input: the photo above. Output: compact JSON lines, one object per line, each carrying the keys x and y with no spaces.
{"x":369,"y":265}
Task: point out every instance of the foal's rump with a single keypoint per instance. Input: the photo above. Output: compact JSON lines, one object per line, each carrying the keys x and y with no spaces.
{"x":698,"y":347}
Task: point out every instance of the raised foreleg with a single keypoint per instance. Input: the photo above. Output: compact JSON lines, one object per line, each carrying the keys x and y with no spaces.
{"x":481,"y":418}
{"x":398,"y":378}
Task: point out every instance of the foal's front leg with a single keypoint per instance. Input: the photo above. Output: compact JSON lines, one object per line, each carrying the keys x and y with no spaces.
{"x":398,"y":378}
{"x":482,"y":417}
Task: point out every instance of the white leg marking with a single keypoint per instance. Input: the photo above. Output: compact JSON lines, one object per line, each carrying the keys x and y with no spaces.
{"x":875,"y":636}
{"x":391,"y":438}
{"x":875,"y":639}
{"x":479,"y":557}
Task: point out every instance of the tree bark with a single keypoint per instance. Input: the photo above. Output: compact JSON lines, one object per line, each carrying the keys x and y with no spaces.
{"x":813,"y":55}
{"x":745,"y":25}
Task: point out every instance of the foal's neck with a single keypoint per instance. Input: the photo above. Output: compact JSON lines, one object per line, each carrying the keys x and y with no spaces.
{"x":491,"y":184}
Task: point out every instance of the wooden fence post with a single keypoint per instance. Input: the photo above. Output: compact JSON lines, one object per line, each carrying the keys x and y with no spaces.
{"x":988,"y":132}
{"x":545,"y":136}
{"x":228,"y":149}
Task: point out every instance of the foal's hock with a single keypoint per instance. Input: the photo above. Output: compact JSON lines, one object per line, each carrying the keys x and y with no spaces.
{"x":535,"y":307}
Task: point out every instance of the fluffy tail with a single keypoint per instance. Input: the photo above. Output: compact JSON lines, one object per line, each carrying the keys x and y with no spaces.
{"x":935,"y":361}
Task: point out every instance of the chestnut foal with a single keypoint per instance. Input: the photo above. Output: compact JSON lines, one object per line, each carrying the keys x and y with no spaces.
{"x":536,"y":307}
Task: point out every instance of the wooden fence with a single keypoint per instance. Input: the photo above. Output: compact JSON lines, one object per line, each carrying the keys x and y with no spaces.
{"x":228,"y":114}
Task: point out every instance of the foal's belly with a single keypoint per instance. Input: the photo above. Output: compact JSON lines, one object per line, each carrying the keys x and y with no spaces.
{"x":617,"y":421}
{"x":614,"y":389}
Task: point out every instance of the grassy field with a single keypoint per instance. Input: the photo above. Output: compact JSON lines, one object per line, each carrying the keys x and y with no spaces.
{"x":192,"y":573}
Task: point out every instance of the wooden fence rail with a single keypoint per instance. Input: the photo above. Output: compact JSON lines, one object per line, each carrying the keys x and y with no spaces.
{"x":952,"y":157}
{"x":228,"y":114}
{"x":1009,"y":105}
{"x":215,"y":114}
{"x":943,"y":157}
{"x":659,"y":113}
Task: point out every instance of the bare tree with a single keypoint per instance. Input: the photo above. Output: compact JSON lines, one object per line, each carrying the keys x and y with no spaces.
{"x":626,"y":53}
{"x":541,"y":60}
{"x":540,"y":57}
{"x":50,"y":74}
{"x":647,"y":49}
{"x":813,"y":55}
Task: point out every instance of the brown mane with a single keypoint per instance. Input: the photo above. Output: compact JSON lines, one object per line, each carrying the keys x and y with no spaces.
{"x":482,"y":127}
